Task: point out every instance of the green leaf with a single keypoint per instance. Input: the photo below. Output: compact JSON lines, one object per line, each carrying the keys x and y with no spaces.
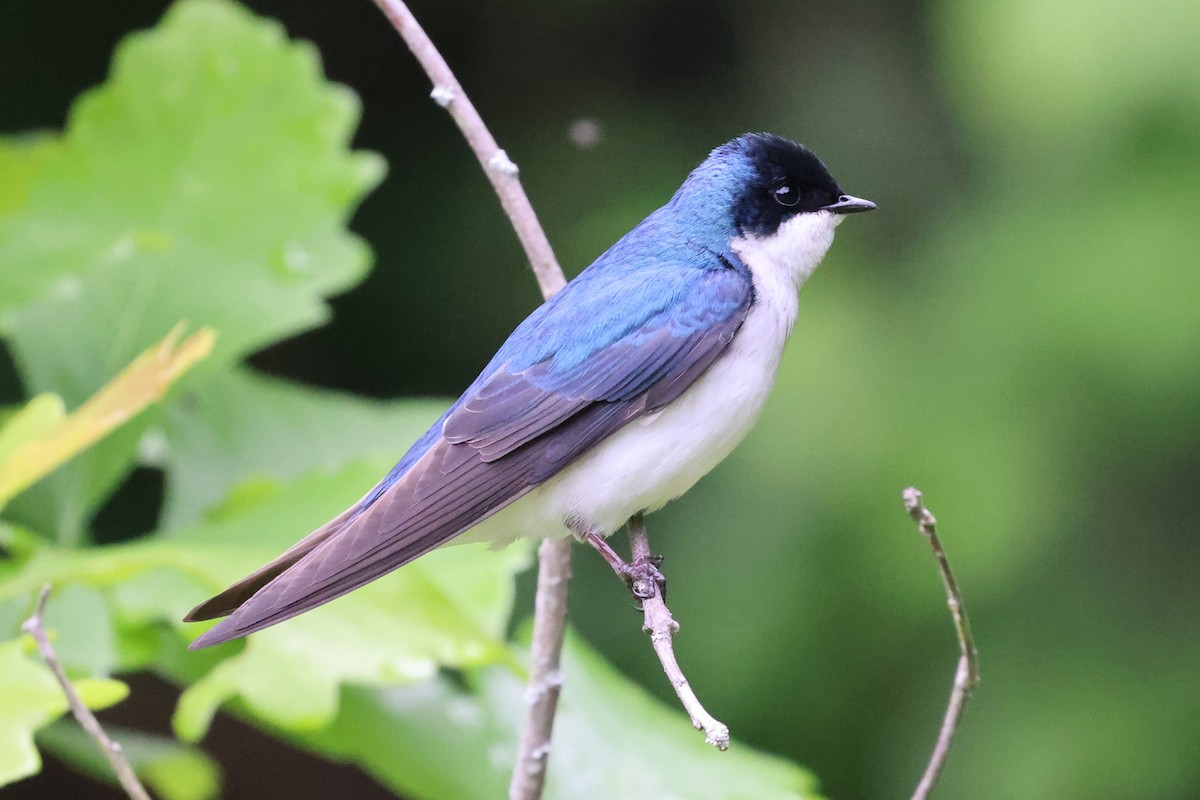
{"x":246,"y":425}
{"x":611,"y":739}
{"x":21,"y":159}
{"x":30,"y":698}
{"x":162,"y":179}
{"x":172,"y":770}
{"x":209,"y":179}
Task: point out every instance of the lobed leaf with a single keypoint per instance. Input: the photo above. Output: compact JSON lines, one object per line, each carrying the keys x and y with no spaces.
{"x":208,"y":179}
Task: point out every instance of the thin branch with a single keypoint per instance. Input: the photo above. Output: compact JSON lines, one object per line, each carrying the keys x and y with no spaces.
{"x":546,"y":677}
{"x":35,"y":627}
{"x":662,"y":628}
{"x":554,"y":557}
{"x":500,"y":170}
{"x":966,"y":676}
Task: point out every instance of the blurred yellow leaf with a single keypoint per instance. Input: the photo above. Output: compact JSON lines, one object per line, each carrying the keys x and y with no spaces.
{"x":41,"y":436}
{"x":32,"y":421}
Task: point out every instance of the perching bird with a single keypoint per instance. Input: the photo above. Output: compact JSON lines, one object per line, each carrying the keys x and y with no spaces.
{"x":612,"y":398}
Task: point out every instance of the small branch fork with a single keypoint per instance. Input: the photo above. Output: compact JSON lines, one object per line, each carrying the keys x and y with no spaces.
{"x":966,"y":677}
{"x":35,"y":627}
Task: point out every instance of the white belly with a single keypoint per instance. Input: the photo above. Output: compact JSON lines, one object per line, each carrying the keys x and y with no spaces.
{"x":657,"y":458}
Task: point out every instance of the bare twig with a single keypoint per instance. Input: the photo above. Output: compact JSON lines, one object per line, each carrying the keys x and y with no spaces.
{"x":554,"y":557}
{"x":501,"y":171}
{"x":662,"y":627}
{"x":35,"y":627}
{"x":546,"y":678}
{"x":966,"y":676}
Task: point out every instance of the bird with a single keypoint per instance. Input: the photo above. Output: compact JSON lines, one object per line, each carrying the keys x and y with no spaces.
{"x":612,"y":398}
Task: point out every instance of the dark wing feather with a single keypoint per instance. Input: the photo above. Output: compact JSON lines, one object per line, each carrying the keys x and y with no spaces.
{"x":237,"y":594}
{"x":512,"y":430}
{"x":662,"y":356}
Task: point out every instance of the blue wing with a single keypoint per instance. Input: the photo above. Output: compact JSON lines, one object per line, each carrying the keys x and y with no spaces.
{"x":613,"y":345}
{"x":646,"y":332}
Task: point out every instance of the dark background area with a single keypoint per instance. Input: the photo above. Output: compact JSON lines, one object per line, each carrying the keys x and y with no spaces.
{"x":1015,"y":331}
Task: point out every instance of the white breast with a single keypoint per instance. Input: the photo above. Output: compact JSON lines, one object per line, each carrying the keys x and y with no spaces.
{"x":657,"y":458}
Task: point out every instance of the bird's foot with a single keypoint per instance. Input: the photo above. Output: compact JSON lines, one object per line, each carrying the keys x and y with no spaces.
{"x":644,"y":578}
{"x":642,"y":575}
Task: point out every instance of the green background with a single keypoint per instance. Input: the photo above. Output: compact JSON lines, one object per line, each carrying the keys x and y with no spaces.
{"x":1016,"y":331}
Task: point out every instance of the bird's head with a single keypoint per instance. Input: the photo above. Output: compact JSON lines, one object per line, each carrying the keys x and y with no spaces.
{"x":770,"y":192}
{"x":775,"y":179}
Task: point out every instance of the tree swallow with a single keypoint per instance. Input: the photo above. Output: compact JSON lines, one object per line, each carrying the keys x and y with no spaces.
{"x":612,"y":398}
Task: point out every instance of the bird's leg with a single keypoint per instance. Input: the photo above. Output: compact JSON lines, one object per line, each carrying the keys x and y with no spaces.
{"x":641,"y":575}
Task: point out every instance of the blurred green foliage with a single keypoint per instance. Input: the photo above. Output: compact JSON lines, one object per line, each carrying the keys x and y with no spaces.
{"x":1015,"y":332}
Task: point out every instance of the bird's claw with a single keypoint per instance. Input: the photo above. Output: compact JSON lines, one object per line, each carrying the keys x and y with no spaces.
{"x":644,"y":578}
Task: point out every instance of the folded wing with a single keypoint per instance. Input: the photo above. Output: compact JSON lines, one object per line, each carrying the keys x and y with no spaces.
{"x":582,"y":366}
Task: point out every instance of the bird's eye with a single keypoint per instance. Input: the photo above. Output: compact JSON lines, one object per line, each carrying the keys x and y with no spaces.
{"x":786,"y":195}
